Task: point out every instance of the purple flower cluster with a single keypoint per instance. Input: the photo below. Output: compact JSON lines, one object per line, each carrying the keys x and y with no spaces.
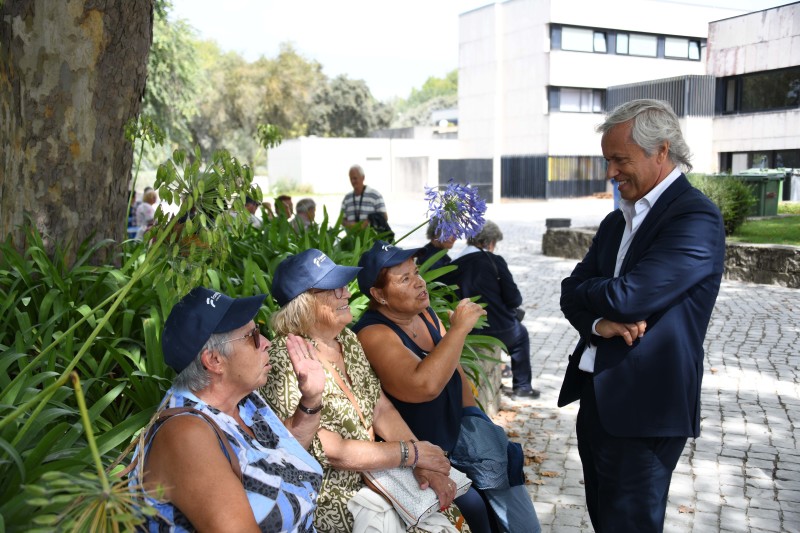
{"x":457,"y":210}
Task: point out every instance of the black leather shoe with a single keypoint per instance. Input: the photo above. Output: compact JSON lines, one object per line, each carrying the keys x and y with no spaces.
{"x":531,"y":394}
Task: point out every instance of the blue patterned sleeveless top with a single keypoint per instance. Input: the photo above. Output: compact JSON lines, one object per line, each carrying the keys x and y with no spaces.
{"x":281,"y":478}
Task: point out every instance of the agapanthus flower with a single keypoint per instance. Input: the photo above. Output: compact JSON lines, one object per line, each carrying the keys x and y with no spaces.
{"x":457,"y":210}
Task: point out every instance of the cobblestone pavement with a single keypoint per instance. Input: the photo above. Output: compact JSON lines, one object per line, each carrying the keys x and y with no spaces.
{"x":742,"y":474}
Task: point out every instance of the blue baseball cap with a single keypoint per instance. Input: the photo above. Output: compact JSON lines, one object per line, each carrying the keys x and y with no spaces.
{"x":381,"y":255}
{"x":197,"y":316}
{"x":311,"y":269}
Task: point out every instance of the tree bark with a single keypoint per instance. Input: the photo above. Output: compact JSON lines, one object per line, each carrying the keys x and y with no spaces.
{"x":72,"y":73}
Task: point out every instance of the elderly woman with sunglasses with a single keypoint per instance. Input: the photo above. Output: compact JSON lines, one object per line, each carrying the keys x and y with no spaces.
{"x":312,"y":292}
{"x":217,"y":458}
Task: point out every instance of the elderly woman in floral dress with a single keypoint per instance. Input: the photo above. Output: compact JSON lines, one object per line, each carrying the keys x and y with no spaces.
{"x":312,"y":292}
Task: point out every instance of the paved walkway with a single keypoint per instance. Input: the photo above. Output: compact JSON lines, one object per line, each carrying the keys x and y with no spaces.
{"x":743,"y":473}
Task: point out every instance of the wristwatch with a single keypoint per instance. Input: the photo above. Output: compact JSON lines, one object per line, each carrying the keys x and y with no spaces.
{"x":308,"y":411}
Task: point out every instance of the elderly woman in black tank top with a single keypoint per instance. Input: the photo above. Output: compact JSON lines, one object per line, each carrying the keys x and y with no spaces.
{"x":416,"y":360}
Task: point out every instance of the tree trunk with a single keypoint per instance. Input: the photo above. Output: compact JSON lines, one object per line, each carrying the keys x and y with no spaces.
{"x":72,"y":73}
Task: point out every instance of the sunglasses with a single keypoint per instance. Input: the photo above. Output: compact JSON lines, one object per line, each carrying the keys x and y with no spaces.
{"x":336,"y":292}
{"x":255,"y":333}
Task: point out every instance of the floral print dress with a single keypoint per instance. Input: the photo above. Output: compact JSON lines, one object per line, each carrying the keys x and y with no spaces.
{"x":339,"y":416}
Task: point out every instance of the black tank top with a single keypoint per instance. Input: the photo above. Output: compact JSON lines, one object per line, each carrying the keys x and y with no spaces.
{"x":439,"y":420}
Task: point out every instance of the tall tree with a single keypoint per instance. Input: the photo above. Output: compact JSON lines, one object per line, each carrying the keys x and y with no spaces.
{"x":72,"y":73}
{"x":346,"y":108}
{"x":435,"y":93}
{"x":173,"y":79}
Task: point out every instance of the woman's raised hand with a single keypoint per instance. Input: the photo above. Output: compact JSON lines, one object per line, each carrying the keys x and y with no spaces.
{"x":307,"y":368}
{"x":466,"y":315}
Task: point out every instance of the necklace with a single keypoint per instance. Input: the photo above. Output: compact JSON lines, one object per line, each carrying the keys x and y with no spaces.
{"x":410,"y":326}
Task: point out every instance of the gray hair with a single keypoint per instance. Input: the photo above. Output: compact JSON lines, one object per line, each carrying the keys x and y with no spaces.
{"x":654,"y":122}
{"x":195,"y":376}
{"x":358,"y":169}
{"x":490,"y":233}
{"x":305,"y":205}
{"x":296,"y":317}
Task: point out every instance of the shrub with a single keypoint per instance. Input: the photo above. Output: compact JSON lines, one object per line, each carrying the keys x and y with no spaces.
{"x":732,"y":196}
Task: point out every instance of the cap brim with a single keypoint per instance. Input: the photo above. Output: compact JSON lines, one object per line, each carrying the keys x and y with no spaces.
{"x":338,"y":277}
{"x":241,"y":311}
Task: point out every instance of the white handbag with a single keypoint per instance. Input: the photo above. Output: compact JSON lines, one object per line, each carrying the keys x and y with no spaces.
{"x":401,"y":489}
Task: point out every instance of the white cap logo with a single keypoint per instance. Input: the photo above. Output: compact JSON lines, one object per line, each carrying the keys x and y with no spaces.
{"x":386,"y":247}
{"x":318,"y":260}
{"x":210,"y":301}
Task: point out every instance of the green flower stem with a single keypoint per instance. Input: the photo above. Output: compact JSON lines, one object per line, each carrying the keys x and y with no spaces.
{"x":135,"y":177}
{"x":87,"y":426}
{"x":410,"y":232}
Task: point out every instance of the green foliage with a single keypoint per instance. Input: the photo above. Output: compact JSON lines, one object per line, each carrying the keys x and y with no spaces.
{"x":346,"y":108}
{"x":777,"y":230}
{"x":435,"y":94}
{"x":173,"y":80}
{"x":268,"y":135}
{"x":103,"y":324}
{"x":731,"y":195}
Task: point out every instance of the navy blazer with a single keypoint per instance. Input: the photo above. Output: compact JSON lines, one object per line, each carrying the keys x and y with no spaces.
{"x":670,"y":277}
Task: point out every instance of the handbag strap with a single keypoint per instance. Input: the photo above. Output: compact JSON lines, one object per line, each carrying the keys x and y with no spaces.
{"x":170,"y":412}
{"x":349,"y":393}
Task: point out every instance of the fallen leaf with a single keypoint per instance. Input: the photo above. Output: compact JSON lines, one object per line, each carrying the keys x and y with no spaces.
{"x":549,"y":473}
{"x":713,"y":370}
{"x":685,"y":509}
{"x":538,"y":482}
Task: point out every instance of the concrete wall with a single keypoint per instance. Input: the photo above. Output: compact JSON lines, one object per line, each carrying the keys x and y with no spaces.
{"x":765,"y":40}
{"x":393,"y":166}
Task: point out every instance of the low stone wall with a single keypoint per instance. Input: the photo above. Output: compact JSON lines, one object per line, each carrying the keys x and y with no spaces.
{"x":757,"y":263}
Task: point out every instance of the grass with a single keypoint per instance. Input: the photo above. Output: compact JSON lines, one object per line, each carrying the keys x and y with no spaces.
{"x":789,"y":208}
{"x":784,"y":229}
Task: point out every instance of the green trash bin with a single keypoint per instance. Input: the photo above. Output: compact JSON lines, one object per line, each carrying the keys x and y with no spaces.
{"x":766,"y":191}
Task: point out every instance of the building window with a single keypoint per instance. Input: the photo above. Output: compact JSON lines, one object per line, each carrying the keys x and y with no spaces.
{"x":694,"y":50}
{"x":681,"y":48}
{"x":583,"y":40}
{"x":761,"y":91}
{"x":574,"y":100}
{"x":622,"y":43}
{"x":600,"y":42}
{"x":642,"y":45}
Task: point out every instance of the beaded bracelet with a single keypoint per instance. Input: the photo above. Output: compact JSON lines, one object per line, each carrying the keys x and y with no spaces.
{"x":416,"y":453}
{"x":403,"y":454}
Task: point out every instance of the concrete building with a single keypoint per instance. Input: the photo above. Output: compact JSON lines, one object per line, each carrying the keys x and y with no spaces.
{"x":534,"y":76}
{"x":755,"y":59}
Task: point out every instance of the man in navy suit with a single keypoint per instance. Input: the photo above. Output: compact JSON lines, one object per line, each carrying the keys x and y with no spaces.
{"x":641,"y":300}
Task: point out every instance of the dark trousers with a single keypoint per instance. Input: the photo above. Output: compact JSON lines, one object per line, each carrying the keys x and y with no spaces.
{"x":518,"y":343}
{"x":626,"y":479}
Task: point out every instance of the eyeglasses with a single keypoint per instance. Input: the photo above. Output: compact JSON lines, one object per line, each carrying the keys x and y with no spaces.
{"x":255,"y":333}
{"x":336,"y":292}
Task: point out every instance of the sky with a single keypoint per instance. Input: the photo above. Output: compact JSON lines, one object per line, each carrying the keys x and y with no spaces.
{"x":394,"y":46}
